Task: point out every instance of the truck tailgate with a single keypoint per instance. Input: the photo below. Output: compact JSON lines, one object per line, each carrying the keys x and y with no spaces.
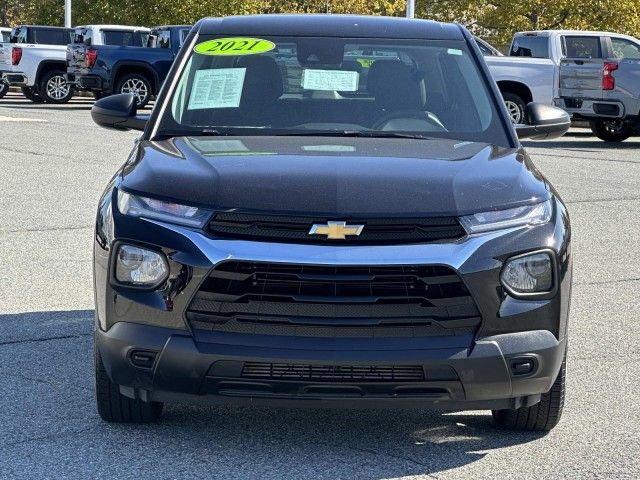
{"x":76,"y":58}
{"x":5,"y":56}
{"x":581,"y":78}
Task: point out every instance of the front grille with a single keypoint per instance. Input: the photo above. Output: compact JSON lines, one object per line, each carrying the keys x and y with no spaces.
{"x":333,"y":301}
{"x":295,"y":229}
{"x":333,"y":373}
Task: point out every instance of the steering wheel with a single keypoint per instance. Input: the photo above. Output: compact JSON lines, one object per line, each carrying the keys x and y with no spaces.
{"x":428,"y":118}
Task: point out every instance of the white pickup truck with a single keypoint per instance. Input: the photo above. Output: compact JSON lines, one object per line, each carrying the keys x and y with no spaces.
{"x":34,"y":60}
{"x":5,"y":33}
{"x":594,"y":76}
{"x":36,"y":57}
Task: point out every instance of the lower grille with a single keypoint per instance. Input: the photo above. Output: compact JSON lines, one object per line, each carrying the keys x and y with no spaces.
{"x":333,"y":301}
{"x":333,"y":373}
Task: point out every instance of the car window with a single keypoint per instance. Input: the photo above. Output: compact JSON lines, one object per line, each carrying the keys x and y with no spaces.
{"x":82,"y":36}
{"x":485,"y":51}
{"x":623,"y":48}
{"x":6,"y":36}
{"x":50,"y":36}
{"x":582,"y":47}
{"x":161,"y":39}
{"x":18,"y":35}
{"x":123,"y":38}
{"x":530,"y":46}
{"x":331,"y":85}
{"x":183,"y":35}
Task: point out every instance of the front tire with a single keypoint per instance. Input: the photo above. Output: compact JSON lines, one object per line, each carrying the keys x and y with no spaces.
{"x":54,"y":87}
{"x":116,"y":408}
{"x":541,"y":417}
{"x":30,"y":93}
{"x":515,"y":106}
{"x":138,"y":85}
{"x":610,"y":130}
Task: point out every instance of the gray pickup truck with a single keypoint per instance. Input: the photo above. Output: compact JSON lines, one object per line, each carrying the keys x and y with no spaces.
{"x":597,"y":77}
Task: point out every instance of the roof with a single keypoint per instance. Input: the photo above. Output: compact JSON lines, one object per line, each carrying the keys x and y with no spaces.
{"x":330,"y":26}
{"x":113,"y":27}
{"x":171,"y":26}
{"x":546,"y":33}
{"x":43,"y":26}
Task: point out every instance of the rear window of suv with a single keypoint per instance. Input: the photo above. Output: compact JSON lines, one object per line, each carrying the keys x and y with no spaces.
{"x":582,"y":47}
{"x":82,"y":36}
{"x":530,"y":46}
{"x":50,"y":36}
{"x":123,"y":38}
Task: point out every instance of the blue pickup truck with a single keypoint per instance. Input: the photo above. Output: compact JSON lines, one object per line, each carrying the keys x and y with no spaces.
{"x":110,"y":69}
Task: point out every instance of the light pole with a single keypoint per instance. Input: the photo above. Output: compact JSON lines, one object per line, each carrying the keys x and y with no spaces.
{"x":411,"y":8}
{"x":67,"y":13}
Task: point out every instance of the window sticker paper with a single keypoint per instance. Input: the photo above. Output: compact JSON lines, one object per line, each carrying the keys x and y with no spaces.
{"x":340,"y":80}
{"x":217,"y":88}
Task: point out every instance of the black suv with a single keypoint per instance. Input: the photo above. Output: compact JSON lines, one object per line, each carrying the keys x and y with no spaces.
{"x":331,"y":211}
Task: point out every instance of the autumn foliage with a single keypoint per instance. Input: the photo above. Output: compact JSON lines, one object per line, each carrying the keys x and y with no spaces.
{"x":495,"y":20}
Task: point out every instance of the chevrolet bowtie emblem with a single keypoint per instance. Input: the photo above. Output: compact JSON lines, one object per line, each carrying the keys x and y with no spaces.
{"x":336,"y":230}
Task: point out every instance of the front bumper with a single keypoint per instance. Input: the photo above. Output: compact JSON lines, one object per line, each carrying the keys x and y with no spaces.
{"x":197,"y":365}
{"x":484,"y":376}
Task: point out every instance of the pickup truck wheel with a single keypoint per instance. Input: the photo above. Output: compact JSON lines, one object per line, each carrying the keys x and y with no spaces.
{"x":610,"y":130}
{"x":54,"y":87}
{"x":138,"y":85}
{"x":115,"y":407}
{"x":31,"y":94}
{"x":515,"y":106}
{"x":4,"y":88}
{"x":540,"y":417}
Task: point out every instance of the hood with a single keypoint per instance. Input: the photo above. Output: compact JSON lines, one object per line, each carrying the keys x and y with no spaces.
{"x":335,"y":176}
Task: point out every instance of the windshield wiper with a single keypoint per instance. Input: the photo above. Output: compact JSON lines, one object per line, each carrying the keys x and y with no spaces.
{"x":356,"y":133}
{"x":205,"y":132}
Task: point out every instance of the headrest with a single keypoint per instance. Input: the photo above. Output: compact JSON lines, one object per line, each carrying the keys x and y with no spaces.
{"x":396,"y":85}
{"x":262,"y":80}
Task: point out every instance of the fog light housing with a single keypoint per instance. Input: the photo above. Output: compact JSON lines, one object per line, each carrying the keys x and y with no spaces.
{"x":531,"y":274}
{"x":140,"y":267}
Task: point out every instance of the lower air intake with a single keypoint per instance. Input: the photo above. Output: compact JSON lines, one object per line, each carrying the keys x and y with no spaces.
{"x":333,"y":373}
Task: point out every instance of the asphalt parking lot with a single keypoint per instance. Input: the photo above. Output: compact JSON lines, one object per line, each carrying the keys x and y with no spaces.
{"x":54,"y":165}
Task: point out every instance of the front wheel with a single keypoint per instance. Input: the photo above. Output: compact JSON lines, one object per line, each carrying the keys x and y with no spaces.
{"x":30,"y":93}
{"x":117,"y":408}
{"x":541,"y":417}
{"x":610,"y":130}
{"x":54,"y":87}
{"x":515,"y":106}
{"x":138,"y":85}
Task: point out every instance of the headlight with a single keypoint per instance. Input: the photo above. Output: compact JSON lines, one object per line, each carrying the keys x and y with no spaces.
{"x":136,"y":206}
{"x":140,"y":267}
{"x":512,"y":217}
{"x":528,"y":274}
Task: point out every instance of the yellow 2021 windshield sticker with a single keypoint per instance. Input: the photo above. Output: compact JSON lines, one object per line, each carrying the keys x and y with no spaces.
{"x":234,"y":46}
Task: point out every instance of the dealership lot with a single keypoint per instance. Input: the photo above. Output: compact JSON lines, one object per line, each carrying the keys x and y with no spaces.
{"x":55,"y":163}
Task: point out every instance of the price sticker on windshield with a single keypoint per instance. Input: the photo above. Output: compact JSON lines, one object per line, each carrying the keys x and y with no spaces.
{"x":234,"y":46}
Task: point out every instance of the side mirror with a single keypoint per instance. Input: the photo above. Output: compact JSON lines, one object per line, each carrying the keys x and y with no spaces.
{"x":543,"y":122}
{"x":118,"y":112}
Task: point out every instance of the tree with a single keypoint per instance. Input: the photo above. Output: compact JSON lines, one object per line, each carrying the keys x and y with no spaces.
{"x":162,"y":12}
{"x":497,"y":20}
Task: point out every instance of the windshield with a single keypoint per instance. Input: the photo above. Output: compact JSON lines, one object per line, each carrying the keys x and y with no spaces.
{"x":332,"y":86}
